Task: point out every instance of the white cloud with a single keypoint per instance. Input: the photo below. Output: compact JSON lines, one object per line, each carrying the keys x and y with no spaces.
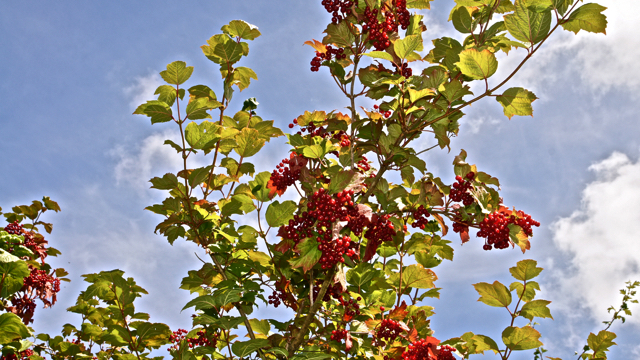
{"x":142,"y":89}
{"x":150,"y":158}
{"x":602,"y":239}
{"x":476,"y":122}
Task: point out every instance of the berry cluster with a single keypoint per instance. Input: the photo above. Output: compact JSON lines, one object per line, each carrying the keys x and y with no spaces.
{"x":23,"y":306}
{"x":459,"y":189}
{"x":22,"y":355}
{"x":44,"y":285}
{"x":388,"y":330}
{"x":459,"y":227}
{"x":338,"y":54}
{"x":420,"y":216}
{"x":363,"y":164}
{"x":334,"y":291}
{"x":380,"y":230}
{"x":393,"y":18}
{"x":403,"y":70}
{"x":37,"y":247}
{"x":495,"y":228}
{"x":287,"y":172}
{"x":277,"y":297}
{"x":421,"y":349}
{"x":339,"y":9}
{"x":384,"y":113}
{"x":202,"y":339}
{"x":445,"y":353}
{"x":333,"y":250}
{"x":351,"y":308}
{"x":339,"y":335}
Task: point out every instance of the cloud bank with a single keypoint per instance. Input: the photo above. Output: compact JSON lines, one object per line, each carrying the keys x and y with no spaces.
{"x":602,"y":239}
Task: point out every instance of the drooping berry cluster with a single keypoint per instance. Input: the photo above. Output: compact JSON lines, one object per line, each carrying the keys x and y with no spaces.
{"x":337,"y":53}
{"x":459,"y":227}
{"x":388,"y":331}
{"x":276,"y":298}
{"x":495,"y":228}
{"x":444,"y":353}
{"x":459,"y":189}
{"x":334,"y":291}
{"x":403,"y":70}
{"x":24,"y":306}
{"x":339,"y":335}
{"x":44,"y":285}
{"x":287,"y":172}
{"x":393,"y":18}
{"x":339,"y":9}
{"x":383,"y":113}
{"x":420,"y":216}
{"x":37,"y":246}
{"x":201,"y":339}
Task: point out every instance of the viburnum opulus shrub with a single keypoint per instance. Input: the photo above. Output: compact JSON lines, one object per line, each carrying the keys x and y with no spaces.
{"x":353,"y":258}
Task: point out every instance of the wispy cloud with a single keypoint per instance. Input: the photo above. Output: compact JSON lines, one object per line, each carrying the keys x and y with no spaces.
{"x":142,"y":89}
{"x":601,"y":239}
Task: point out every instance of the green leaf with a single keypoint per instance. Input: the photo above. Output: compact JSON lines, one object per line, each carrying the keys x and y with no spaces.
{"x":529,"y":291}
{"x":525,"y":270}
{"x":416,"y":276}
{"x":230,"y":52}
{"x":279,"y":214}
{"x":536,"y":308}
{"x":153,"y":335}
{"x":202,"y":302}
{"x":197,"y":108}
{"x":12,"y":328}
{"x":462,"y":20}
{"x":339,"y":34}
{"x":314,"y":151}
{"x":483,"y":343}
{"x":249,"y":142}
{"x":587,"y":17}
{"x":49,"y":204}
{"x":562,"y":5}
{"x":309,"y":254}
{"x":204,"y":91}
{"x":259,"y":187}
{"x":525,"y":338}
{"x":526,"y":25}
{"x":261,"y":326}
{"x":340,"y":181}
{"x":245,"y":348}
{"x":202,"y":136}
{"x":227,"y":296}
{"x":494,"y":294}
{"x":601,"y":343}
{"x":241,"y":29}
{"x":406,"y":46}
{"x":478,"y":64}
{"x":380,"y":55}
{"x":167,"y":94}
{"x":454,"y":90}
{"x":158,"y":111}
{"x":517,"y":101}
{"x":177,"y":73}
{"x":242,"y":77}
{"x":418,"y":4}
{"x":167,"y":182}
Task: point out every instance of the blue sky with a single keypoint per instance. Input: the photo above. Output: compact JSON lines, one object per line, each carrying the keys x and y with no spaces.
{"x":73,"y":72}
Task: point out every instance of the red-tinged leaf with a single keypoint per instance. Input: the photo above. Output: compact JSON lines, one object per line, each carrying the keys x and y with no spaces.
{"x":319,"y":46}
{"x":340,"y":116}
{"x":347,"y":317}
{"x":372,"y":247}
{"x":399,"y":313}
{"x":284,"y":245}
{"x":372,"y":324}
{"x":348,"y":342}
{"x":273,"y":189}
{"x":464,"y":236}
{"x":443,"y":226}
{"x":309,"y":254}
{"x":413,"y":335}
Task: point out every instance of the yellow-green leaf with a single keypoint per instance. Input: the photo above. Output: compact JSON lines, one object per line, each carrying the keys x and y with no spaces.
{"x":477,"y":64}
{"x":524,"y":338}
{"x":527,"y":25}
{"x":536,"y":308}
{"x":241,"y":29}
{"x":404,"y":47}
{"x":587,"y":17}
{"x":494,"y":294}
{"x":177,"y":72}
{"x":525,"y":270}
{"x":249,"y":142}
{"x":517,"y":101}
